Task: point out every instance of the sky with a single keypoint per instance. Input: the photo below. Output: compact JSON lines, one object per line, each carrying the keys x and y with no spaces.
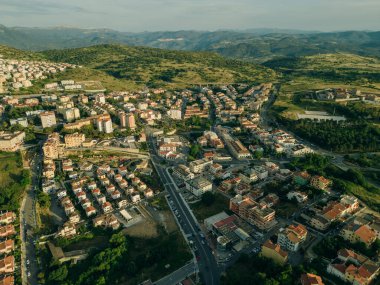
{"x":162,"y":15}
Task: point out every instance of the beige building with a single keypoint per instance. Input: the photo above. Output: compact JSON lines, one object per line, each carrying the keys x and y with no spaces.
{"x":74,"y":140}
{"x":292,"y":237}
{"x":52,"y":147}
{"x":131,"y":121}
{"x":11,"y":141}
{"x":48,"y":119}
{"x":358,"y":233}
{"x":274,"y":252}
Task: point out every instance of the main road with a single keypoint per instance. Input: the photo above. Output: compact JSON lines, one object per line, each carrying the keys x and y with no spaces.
{"x":208,"y":268}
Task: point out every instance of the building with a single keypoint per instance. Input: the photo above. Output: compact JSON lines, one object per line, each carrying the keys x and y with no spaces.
{"x":122,"y":119}
{"x":183,"y":172}
{"x":358,"y":233}
{"x":6,"y":231}
{"x":74,"y":140}
{"x":106,"y":220}
{"x":7,"y":217}
{"x":255,"y":213}
{"x":68,"y":230}
{"x":311,"y":279}
{"x":7,"y":246}
{"x":7,"y":280}
{"x":200,"y":165}
{"x":198,"y":186}
{"x":274,"y":252}
{"x":131,"y":121}
{"x":11,"y":141}
{"x":292,"y":237}
{"x":354,"y":268}
{"x":299,"y":196}
{"x":104,"y":124}
{"x":20,"y":121}
{"x":71,"y":114}
{"x":48,"y":119}
{"x":320,"y":182}
{"x":52,"y":146}
{"x":7,"y":265}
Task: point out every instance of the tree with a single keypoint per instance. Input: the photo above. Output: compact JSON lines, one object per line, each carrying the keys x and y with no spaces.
{"x":59,"y":274}
{"x":44,"y":200}
{"x":208,"y":198}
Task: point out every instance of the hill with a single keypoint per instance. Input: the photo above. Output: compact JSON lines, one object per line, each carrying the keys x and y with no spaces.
{"x":121,"y":67}
{"x":253,"y":45}
{"x":157,"y":67}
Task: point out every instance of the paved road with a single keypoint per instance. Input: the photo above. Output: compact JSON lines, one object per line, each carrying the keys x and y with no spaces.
{"x":28,"y":224}
{"x":209,"y":271}
{"x":178,"y":275}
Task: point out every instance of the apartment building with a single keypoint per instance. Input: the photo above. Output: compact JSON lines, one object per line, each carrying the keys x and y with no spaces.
{"x":358,"y":233}
{"x":183,"y":172}
{"x":48,"y":119}
{"x":7,"y":265}
{"x":292,"y":237}
{"x":52,"y":146}
{"x":74,"y":140}
{"x":311,"y":279}
{"x":7,"y":217}
{"x":7,"y":246}
{"x":11,"y":141}
{"x":198,"y":186}
{"x":200,"y":165}
{"x":257,"y":214}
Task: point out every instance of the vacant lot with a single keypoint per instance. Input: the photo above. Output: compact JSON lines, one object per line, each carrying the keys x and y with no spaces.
{"x":202,"y":211}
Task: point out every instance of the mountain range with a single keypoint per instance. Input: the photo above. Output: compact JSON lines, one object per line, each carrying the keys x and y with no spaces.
{"x":252,"y":45}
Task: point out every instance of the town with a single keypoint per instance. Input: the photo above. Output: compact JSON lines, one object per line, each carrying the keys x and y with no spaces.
{"x":233,"y":183}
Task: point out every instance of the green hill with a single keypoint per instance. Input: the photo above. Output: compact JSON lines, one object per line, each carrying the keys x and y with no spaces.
{"x":157,"y":67}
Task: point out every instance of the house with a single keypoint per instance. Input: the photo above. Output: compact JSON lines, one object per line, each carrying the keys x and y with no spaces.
{"x":148,"y":193}
{"x":358,"y":233}
{"x":74,"y":217}
{"x":6,"y":231}
{"x":200,"y":165}
{"x":7,"y":217}
{"x":7,"y":264}
{"x":301,"y":178}
{"x":61,"y":194}
{"x":80,"y":195}
{"x":353,"y":267}
{"x":198,"y":186}
{"x":107,"y":207}
{"x":274,"y":252}
{"x":92,"y":185}
{"x":7,"y":246}
{"x":96,"y":192}
{"x":90,"y":210}
{"x":110,"y":188}
{"x":292,"y":237}
{"x":106,"y":220}
{"x":7,"y":280}
{"x":115,"y":195}
{"x":319,"y":222}
{"x":123,"y":183}
{"x":101,"y":199}
{"x":67,"y":230}
{"x":135,"y":197}
{"x":351,"y":203}
{"x":85,"y":203}
{"x":300,"y":197}
{"x":270,"y":200}
{"x":311,"y":279}
{"x":121,"y":203}
{"x":320,"y":182}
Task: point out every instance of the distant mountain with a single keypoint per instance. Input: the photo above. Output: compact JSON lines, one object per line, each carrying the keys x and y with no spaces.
{"x":252,"y":45}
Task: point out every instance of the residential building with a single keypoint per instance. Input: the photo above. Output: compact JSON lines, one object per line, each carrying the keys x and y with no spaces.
{"x":7,"y":217}
{"x":292,"y":237}
{"x":52,"y":147}
{"x":257,"y":214}
{"x":7,"y":265}
{"x":301,"y":197}
{"x":131,"y":121}
{"x":7,"y":246}
{"x":122,"y":119}
{"x":200,"y":165}
{"x":183,"y":172}
{"x":274,"y":252}
{"x":353,"y":267}
{"x":48,"y":119}
{"x":7,"y":280}
{"x":6,"y":231}
{"x":67,"y":230}
{"x":11,"y":141}
{"x":20,"y":121}
{"x":74,"y":140}
{"x":311,"y":279}
{"x":198,"y":186}
{"x":320,"y":182}
{"x":358,"y":233}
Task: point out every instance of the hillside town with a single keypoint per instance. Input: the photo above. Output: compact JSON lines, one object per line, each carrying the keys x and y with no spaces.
{"x":234,"y":184}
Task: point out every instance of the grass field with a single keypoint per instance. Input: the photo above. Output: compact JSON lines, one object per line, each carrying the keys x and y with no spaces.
{"x":202,"y":212}
{"x":13,"y":180}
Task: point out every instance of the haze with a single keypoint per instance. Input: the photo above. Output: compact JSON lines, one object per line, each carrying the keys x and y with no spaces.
{"x":153,"y":15}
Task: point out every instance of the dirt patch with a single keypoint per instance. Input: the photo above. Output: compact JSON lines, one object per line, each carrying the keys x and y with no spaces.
{"x":145,"y":229}
{"x":169,"y":222}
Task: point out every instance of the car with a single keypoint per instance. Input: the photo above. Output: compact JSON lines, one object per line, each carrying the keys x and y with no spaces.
{"x":28,"y":273}
{"x":28,"y":262}
{"x":203,"y":242}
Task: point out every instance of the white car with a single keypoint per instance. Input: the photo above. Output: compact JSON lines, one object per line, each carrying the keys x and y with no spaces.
{"x":27,"y":262}
{"x":28,"y":273}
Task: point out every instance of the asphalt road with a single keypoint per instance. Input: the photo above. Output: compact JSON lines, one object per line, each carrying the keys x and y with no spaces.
{"x":178,"y":275}
{"x":28,"y":224}
{"x":209,"y":271}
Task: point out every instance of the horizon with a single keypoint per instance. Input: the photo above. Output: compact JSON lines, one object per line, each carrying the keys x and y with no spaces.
{"x":195,"y":15}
